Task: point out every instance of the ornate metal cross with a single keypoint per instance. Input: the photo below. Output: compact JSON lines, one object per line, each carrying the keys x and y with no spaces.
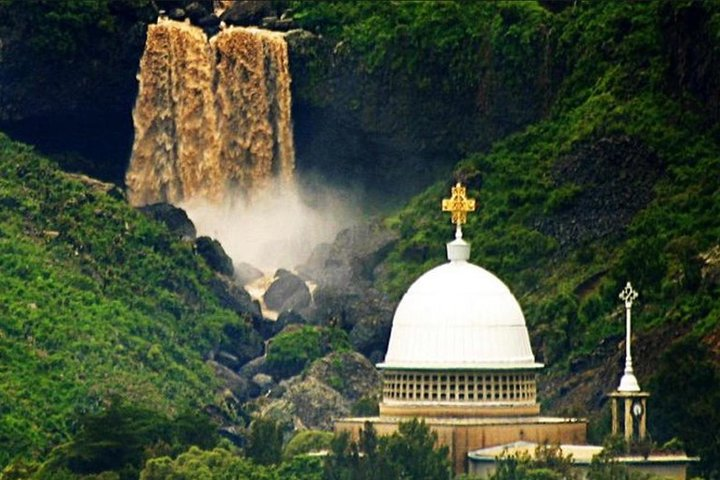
{"x":628,"y":295}
{"x":458,"y":205}
{"x":628,"y":382}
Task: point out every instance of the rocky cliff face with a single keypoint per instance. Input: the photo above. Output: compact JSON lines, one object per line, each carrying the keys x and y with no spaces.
{"x":390,"y":132}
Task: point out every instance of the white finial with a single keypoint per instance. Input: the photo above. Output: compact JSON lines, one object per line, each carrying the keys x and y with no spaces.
{"x":628,"y":382}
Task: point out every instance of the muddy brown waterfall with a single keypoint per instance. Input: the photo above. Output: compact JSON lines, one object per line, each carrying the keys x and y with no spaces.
{"x":212,"y":118}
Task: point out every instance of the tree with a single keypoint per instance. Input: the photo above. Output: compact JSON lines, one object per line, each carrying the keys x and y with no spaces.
{"x":301,"y":467}
{"x":408,"y":454}
{"x":197,"y":464}
{"x":686,"y":393}
{"x":122,"y":437}
{"x":548,"y":463}
{"x":307,"y":441}
{"x":265,"y":442}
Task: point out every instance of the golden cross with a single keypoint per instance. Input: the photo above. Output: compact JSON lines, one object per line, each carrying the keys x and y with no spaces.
{"x":458,"y":205}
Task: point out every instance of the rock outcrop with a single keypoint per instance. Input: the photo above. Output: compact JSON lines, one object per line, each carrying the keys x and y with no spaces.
{"x":308,"y":404}
{"x":345,"y":296}
{"x":287,"y":292}
{"x":174,"y":218}
{"x":599,"y":188}
{"x":350,"y":373}
{"x":214,"y":255}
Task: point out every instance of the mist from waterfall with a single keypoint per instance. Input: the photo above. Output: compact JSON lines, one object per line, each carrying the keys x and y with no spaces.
{"x":213,"y":134}
{"x":278,"y":228}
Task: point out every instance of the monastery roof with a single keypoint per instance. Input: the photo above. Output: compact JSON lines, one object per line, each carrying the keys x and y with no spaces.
{"x":459,"y":316}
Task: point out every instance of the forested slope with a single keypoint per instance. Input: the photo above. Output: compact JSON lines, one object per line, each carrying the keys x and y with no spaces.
{"x":97,"y":302}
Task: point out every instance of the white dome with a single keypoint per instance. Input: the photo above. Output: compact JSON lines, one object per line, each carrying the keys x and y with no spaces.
{"x":459,"y":316}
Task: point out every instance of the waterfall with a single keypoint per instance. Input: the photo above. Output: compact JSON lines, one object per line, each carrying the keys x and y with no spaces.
{"x":212,"y":118}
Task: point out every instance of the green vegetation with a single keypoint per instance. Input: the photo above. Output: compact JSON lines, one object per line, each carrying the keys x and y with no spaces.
{"x":119,"y":440}
{"x":290,"y":351}
{"x":686,"y":401}
{"x":196,"y":464}
{"x":97,"y":301}
{"x":70,"y":27}
{"x":548,"y":463}
{"x":265,"y":442}
{"x":417,"y":39}
{"x":409,"y":453}
{"x":307,"y":441}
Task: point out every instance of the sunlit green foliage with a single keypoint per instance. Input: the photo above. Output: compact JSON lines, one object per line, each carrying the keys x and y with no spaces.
{"x":307,"y":441}
{"x":290,"y":351}
{"x":410,"y":453}
{"x":221,"y":464}
{"x":97,"y":301}
{"x":417,"y":38}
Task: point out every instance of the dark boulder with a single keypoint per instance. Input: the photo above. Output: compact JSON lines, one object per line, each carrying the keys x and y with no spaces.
{"x":174,"y":218}
{"x":196,"y":11}
{"x":231,"y":381}
{"x":177,"y":14}
{"x":287,"y":292}
{"x":228,"y":359}
{"x":215,"y":256}
{"x":209,"y":21}
{"x":290,"y":317}
{"x":269,"y":328}
{"x":372,"y":334}
{"x":242,"y":342}
{"x":254,"y":367}
{"x":264,"y":384}
{"x":234,"y":297}
{"x":349,"y":373}
{"x":345,"y":271}
{"x":246,"y":273}
{"x":309,"y":403}
{"x":245,"y":12}
{"x":352,"y":257}
{"x":278,"y":24}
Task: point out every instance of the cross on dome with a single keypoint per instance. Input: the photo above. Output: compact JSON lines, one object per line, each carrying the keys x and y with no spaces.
{"x":458,"y":205}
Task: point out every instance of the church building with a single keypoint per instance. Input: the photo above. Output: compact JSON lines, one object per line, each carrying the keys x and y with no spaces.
{"x":460,"y":359}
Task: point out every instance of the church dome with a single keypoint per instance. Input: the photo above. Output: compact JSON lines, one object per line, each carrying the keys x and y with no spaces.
{"x":459,"y":316}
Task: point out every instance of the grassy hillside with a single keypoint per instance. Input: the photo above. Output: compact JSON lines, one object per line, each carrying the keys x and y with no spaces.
{"x":96,"y":302}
